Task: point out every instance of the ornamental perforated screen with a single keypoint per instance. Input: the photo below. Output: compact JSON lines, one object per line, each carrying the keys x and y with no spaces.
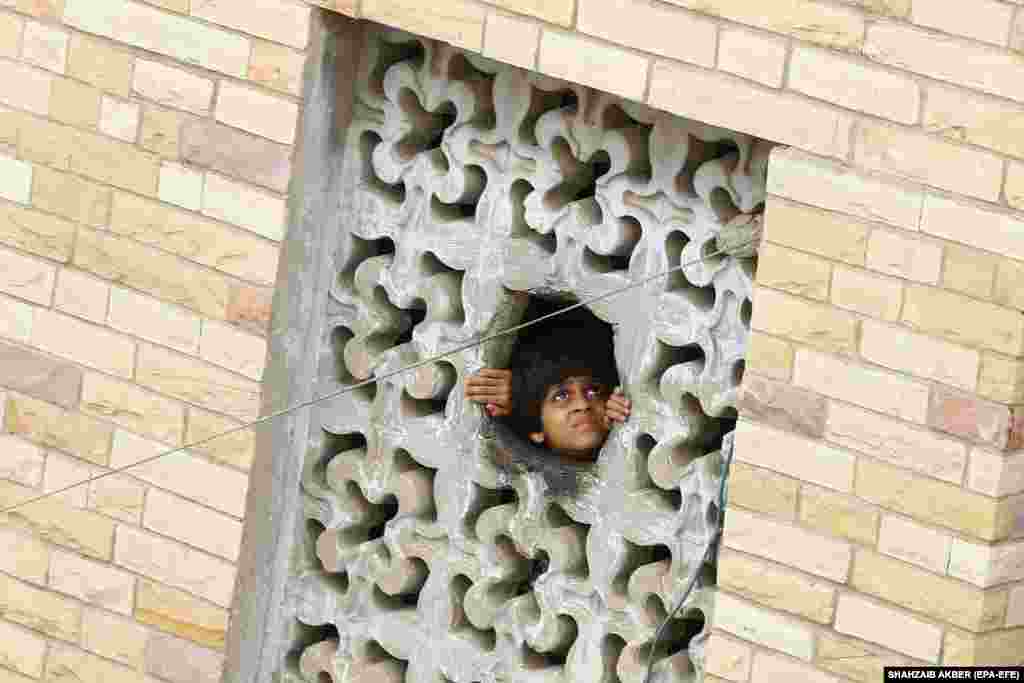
{"x":465,"y":182}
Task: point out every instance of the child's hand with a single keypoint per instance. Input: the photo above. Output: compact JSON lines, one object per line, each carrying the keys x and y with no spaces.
{"x":617,"y":408}
{"x":493,"y":388}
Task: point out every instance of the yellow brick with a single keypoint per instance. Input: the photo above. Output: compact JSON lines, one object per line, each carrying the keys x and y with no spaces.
{"x":967,"y":117}
{"x":813,"y":22}
{"x":650,"y":27}
{"x":458,"y":22}
{"x":1014,"y":184}
{"x":114,"y":637}
{"x":727,"y":657}
{"x":40,"y":610}
{"x":56,"y":522}
{"x":913,"y":543}
{"x":236,"y":449}
{"x":827,"y":234}
{"x":862,"y":292}
{"x":775,"y":587}
{"x":25,"y":556}
{"x":193,"y":524}
{"x":129,"y":406}
{"x":769,"y":356}
{"x":26,"y":278}
{"x":278,"y":67}
{"x":974,"y":226}
{"x":117,"y":497}
{"x":593,"y":63}
{"x":67,"y":663}
{"x":920,"y":355}
{"x":71,"y":197}
{"x":757,"y":56}
{"x":893,"y":628}
{"x":984,"y":20}
{"x":81,"y":295}
{"x":849,"y":83}
{"x":160,"y":132}
{"x":22,"y":650}
{"x":704,"y":95}
{"x":16,"y":319}
{"x":54,"y":427}
{"x":1009,"y":290}
{"x":163,"y":275}
{"x":925,"y":159}
{"x":227,"y":346}
{"x":762,"y":490}
{"x":36,"y":233}
{"x":198,"y":383}
{"x":837,"y":515}
{"x":904,"y":256}
{"x":25,"y":87}
{"x":201,"y":240}
{"x":11,"y":27}
{"x":933,"y":502}
{"x":814,"y":324}
{"x":993,"y":649}
{"x":511,"y":39}
{"x":1001,"y":379}
{"x":100,"y":64}
{"x":787,"y":544}
{"x":172,"y":87}
{"x":793,"y":272}
{"x":44,"y":142}
{"x":83,"y":343}
{"x":554,"y":11}
{"x":854,"y":658}
{"x":154,"y":320}
{"x":179,"y":613}
{"x":793,"y":455}
{"x":976,"y":323}
{"x":969,"y":271}
{"x":45,"y":46}
{"x":764,"y":627}
{"x":91,"y":582}
{"x":51,"y":9}
{"x":275,"y":20}
{"x":74,"y":103}
{"x":769,"y":667}
{"x":251,"y":110}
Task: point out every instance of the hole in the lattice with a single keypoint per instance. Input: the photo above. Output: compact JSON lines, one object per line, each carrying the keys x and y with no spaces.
{"x":411,"y":317}
{"x":340,"y":337}
{"x":426,"y":128}
{"x":388,"y":54}
{"x":738,"y":369}
{"x":482,"y":499}
{"x":542,"y":102}
{"x":612,"y":646}
{"x":675,"y":242}
{"x":618,"y":256}
{"x":324,"y":677}
{"x":599,"y":263}
{"x":450,"y":213}
{"x":577,"y":177}
{"x":430,"y":264}
{"x":518,"y":192}
{"x":711,"y":254}
{"x":358,"y":250}
{"x":313,"y":530}
{"x":667,"y":356}
{"x":386,"y":511}
{"x":600,"y":163}
{"x":392,"y":194}
{"x":304,"y":636}
{"x":746,"y":313}
{"x":486,"y":639}
{"x":556,"y":517}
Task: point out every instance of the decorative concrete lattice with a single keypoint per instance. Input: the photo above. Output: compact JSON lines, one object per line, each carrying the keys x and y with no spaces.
{"x":467,"y":182}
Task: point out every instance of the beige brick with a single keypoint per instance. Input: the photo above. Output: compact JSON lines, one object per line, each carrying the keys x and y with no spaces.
{"x":114,"y":162}
{"x":813,"y":22}
{"x":932,"y":502}
{"x":244,"y":206}
{"x":218,"y":487}
{"x":175,"y":565}
{"x":54,"y":427}
{"x":727,"y":658}
{"x":996,"y":474}
{"x":114,"y":637}
{"x":654,"y":28}
{"x":969,"y":271}
{"x":249,"y":307}
{"x":75,"y":103}
{"x":838,"y":516}
{"x":513,"y":40}
{"x":197,"y":526}
{"x":896,"y":442}
{"x":876,"y":389}
{"x":769,"y":667}
{"x":975,"y":119}
{"x":758,"y":56}
{"x":163,"y":275}
{"x":1014,"y":187}
{"x":21,"y":650}
{"x":994,"y":649}
{"x":831,"y":235}
{"x":793,"y":272}
{"x":40,"y":610}
{"x":458,"y":22}
{"x":25,"y":556}
{"x":45,"y":46}
{"x":22,"y":462}
{"x":804,"y":178}
{"x":15,"y":180}
{"x":276,"y":20}
{"x":947,"y":59}
{"x":1009,"y":290}
{"x":49,"y":9}
{"x":1015,"y":611}
{"x":197,"y":383}
{"x":25,"y":87}
{"x":236,"y":449}
{"x":70,"y":196}
{"x":984,"y":20}
{"x":172,"y":87}
{"x":849,"y":83}
{"x":16,"y":319}
{"x":987,"y":565}
{"x":913,"y":543}
{"x":967,"y":416}
{"x":786,"y":544}
{"x":854,"y":658}
{"x":280,"y":68}
{"x":762,"y":491}
{"x":58,"y":523}
{"x":732,"y":103}
{"x":36,"y":233}
{"x":592,"y":63}
{"x":129,"y":406}
{"x":230,"y":348}
{"x":186,"y":40}
{"x":63,"y":472}
{"x":100,"y":64}
{"x":904,"y":256}
{"x":179,"y":613}
{"x":26,"y":278}
{"x":556,"y":11}
{"x":200,"y":240}
{"x":928,"y":160}
{"x":180,"y":6}
{"x":40,"y":376}
{"x":775,"y":587}
{"x":118,"y":497}
{"x":896,"y":348}
{"x":236,"y":153}
{"x":81,"y":295}
{"x":71,"y":664}
{"x":814,"y":324}
{"x":782,"y":405}
{"x":44,"y":142}
{"x":81,"y":342}
{"x":119,"y":119}
{"x":181,"y":185}
{"x":928,"y":594}
{"x":997,"y":232}
{"x":154,"y":320}
{"x":1001,"y":379}
{"x":175,"y":659}
{"x":91,"y":582}
{"x":11,"y":27}
{"x":794,"y":455}
{"x":978,"y":324}
{"x":764,"y":627}
{"x":769,"y":356}
{"x":160,"y":132}
{"x":895,"y":629}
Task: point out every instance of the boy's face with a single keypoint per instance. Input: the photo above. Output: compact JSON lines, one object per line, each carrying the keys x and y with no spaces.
{"x":572,"y":416}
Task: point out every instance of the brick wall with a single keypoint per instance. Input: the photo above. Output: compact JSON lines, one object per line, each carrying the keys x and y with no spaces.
{"x":877,"y":488}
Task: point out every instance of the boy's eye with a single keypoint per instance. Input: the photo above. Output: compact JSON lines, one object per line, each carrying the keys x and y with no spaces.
{"x":592,"y":393}
{"x":560,"y":395}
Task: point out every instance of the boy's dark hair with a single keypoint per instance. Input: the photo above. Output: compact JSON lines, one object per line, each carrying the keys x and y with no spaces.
{"x":575,"y":344}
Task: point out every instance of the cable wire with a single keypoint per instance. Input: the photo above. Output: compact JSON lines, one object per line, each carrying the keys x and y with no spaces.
{"x":306,"y":404}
